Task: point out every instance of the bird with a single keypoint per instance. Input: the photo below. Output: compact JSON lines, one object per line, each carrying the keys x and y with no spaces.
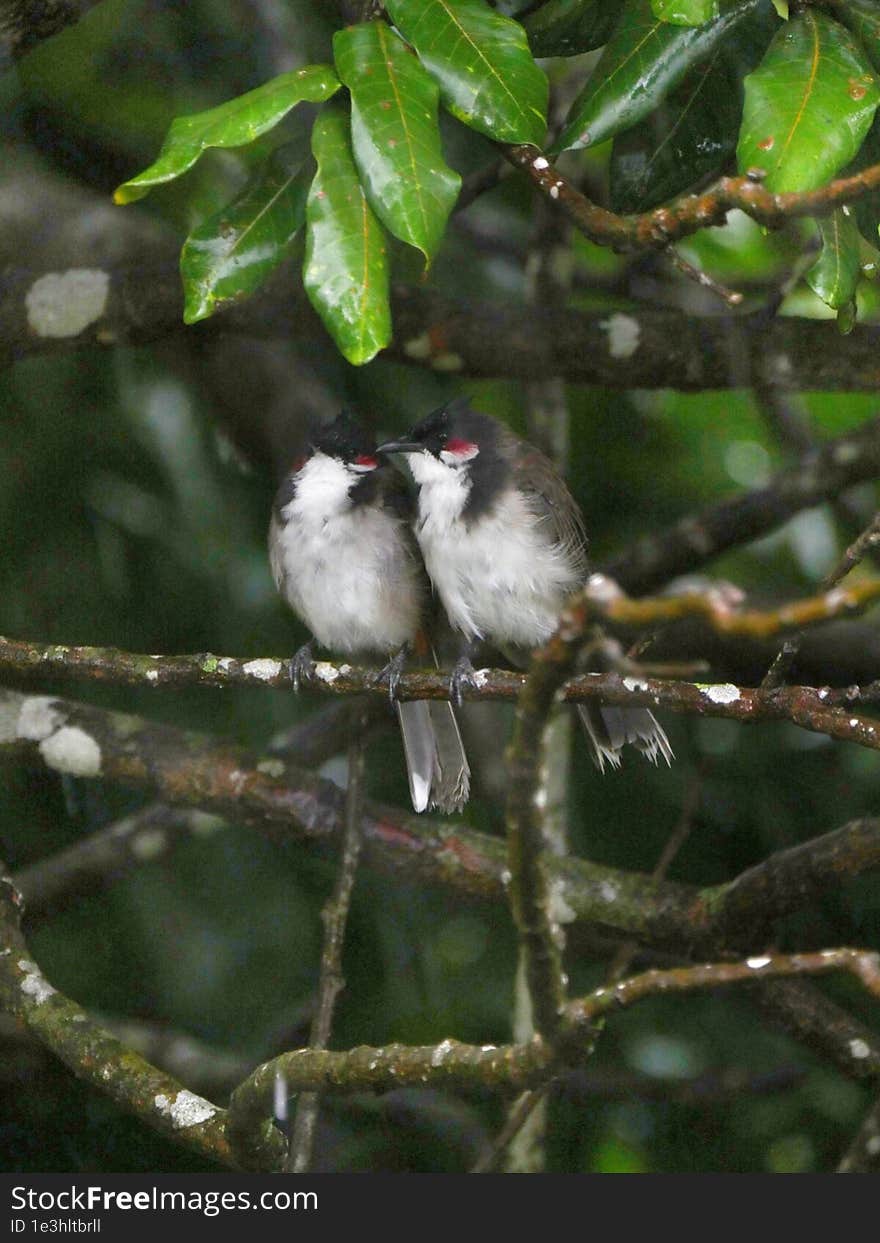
{"x":504,"y":545}
{"x":344,"y":559}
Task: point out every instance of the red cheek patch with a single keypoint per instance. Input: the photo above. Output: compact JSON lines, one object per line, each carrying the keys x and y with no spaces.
{"x":366,"y":461}
{"x":461,"y":448}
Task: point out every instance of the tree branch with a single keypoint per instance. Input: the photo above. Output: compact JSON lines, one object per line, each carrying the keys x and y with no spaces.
{"x":26,"y":23}
{"x":601,"y":600}
{"x":819,"y":475}
{"x":44,"y":310}
{"x":112,"y":852}
{"x":287,"y":803}
{"x":653,"y":230}
{"x":452,"y":1064}
{"x":863,"y":1154}
{"x":334,"y":916}
{"x":102,"y":1061}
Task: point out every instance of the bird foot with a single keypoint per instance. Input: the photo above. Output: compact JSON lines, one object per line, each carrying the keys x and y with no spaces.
{"x":302,"y":667}
{"x":393,"y":672}
{"x":463,"y":675}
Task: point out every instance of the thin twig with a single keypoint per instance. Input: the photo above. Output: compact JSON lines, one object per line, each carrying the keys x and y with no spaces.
{"x":334,"y":917}
{"x":863,"y":1154}
{"x":479,"y":182}
{"x":623,"y":959}
{"x":858,"y":549}
{"x":729,"y":297}
{"x":522,"y":1110}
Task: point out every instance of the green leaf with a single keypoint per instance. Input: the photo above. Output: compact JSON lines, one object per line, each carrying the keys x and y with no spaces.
{"x":345,"y":271}
{"x":233,"y":124}
{"x":396,"y":135}
{"x":569,"y":27}
{"x":482,"y":63}
{"x":642,"y":62}
{"x":863,"y":18}
{"x":835,"y":274}
{"x":808,"y":105}
{"x":686,"y":12}
{"x":692,"y":135}
{"x":781,"y":7}
{"x":230,"y":255}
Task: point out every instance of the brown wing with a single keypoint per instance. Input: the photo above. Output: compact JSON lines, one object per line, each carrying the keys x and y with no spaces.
{"x":553,"y":503}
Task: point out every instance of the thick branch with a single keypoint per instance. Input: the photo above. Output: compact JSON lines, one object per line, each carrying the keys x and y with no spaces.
{"x":156,"y":830}
{"x":26,"y":23}
{"x":811,"y":708}
{"x":102,"y":1061}
{"x":287,"y":803}
{"x":649,"y":349}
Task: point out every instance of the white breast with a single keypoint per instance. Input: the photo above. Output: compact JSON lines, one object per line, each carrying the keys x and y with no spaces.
{"x":501,"y":577}
{"x":349,"y":574}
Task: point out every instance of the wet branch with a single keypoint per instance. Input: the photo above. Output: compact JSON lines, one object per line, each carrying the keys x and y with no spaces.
{"x":641,"y":348}
{"x":452,"y":1064}
{"x":601,"y":600}
{"x":653,"y":230}
{"x":102,"y":1061}
{"x":286,"y":803}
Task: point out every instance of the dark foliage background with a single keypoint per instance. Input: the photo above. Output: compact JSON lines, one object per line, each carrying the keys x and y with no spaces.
{"x":135,"y":487}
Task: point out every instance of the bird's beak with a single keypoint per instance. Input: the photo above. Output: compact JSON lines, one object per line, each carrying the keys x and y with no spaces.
{"x":400,"y":446}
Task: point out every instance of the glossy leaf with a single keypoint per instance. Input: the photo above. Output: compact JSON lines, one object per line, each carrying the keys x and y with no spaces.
{"x":642,"y":62}
{"x":692,"y":135}
{"x":569,"y":27}
{"x":686,"y":12}
{"x":230,"y":255}
{"x":808,"y":105}
{"x":481,"y":61}
{"x":233,"y":124}
{"x":346,"y":270}
{"x":396,"y":135}
{"x":835,"y":274}
{"x":863,"y":18}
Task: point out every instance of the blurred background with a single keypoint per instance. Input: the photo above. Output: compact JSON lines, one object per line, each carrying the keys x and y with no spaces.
{"x":135,"y":491}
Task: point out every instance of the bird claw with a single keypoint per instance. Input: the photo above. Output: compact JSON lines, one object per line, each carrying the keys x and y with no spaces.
{"x":463,"y":675}
{"x":302,"y":666}
{"x":393,"y":672}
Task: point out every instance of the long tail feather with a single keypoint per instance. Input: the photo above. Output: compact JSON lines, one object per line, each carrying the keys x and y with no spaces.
{"x":436,"y":764}
{"x":609,"y":729}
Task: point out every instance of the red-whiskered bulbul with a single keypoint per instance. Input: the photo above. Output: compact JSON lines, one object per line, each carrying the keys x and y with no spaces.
{"x":504,"y":545}
{"x":344,"y":558}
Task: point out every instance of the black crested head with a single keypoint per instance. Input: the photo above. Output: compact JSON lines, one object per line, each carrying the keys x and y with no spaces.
{"x":470,"y":442}
{"x":457,"y":429}
{"x":346,"y":439}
